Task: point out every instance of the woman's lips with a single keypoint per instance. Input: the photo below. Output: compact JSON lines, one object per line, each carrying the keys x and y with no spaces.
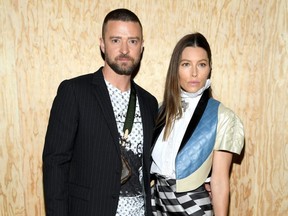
{"x":193,"y":83}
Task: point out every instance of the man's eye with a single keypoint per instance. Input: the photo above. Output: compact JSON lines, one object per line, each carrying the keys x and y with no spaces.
{"x":133,"y":41}
{"x":115,"y":40}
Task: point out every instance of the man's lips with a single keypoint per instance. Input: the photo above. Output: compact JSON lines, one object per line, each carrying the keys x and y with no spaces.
{"x":124,"y":58}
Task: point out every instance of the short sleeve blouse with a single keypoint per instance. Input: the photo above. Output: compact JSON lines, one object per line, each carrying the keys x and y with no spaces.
{"x":230,"y":131}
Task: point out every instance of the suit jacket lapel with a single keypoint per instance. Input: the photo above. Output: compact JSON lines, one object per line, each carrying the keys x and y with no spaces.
{"x":147,"y":118}
{"x":102,"y":95}
{"x":144,"y":114}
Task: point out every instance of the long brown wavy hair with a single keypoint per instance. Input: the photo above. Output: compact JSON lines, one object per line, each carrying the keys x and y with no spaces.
{"x":171,"y":107}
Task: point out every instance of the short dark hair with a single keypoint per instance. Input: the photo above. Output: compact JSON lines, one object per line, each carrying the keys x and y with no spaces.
{"x":121,"y":14}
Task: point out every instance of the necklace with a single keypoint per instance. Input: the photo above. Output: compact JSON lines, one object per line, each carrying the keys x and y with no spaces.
{"x":184,"y":105}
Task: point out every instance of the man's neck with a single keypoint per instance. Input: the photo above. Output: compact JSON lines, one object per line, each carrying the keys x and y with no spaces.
{"x":121,"y":82}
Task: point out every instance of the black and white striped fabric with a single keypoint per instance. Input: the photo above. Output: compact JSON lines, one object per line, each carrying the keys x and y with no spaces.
{"x":165,"y":201}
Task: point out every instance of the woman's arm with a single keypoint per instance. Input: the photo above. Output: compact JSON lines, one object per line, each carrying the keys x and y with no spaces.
{"x":220,"y":186}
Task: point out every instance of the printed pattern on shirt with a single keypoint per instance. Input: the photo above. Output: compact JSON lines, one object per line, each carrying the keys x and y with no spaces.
{"x":131,"y":200}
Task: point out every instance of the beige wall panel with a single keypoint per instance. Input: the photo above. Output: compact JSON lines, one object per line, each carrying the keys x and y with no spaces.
{"x":272,"y":144}
{"x":43,"y":42}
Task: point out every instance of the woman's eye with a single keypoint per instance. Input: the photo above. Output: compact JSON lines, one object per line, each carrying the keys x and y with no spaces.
{"x":185,"y":64}
{"x":202,"y":64}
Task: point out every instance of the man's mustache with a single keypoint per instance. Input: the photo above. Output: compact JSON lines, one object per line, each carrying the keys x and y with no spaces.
{"x":123,"y":56}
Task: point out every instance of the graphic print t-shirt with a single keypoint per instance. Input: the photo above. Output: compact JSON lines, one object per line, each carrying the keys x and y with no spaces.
{"x":131,"y":200}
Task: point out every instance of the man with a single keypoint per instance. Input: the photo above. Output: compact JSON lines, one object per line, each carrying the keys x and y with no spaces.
{"x":88,"y":140}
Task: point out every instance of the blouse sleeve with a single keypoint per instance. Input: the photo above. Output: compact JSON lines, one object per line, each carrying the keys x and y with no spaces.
{"x":230,"y":131}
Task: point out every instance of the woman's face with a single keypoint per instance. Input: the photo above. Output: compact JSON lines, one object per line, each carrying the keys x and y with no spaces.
{"x":194,"y":69}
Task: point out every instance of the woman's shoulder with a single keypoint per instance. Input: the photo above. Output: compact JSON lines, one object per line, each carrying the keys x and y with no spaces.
{"x":230,"y":130}
{"x":226,"y":112}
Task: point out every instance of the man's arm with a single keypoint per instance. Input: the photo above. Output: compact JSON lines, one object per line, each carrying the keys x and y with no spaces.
{"x":58,"y":150}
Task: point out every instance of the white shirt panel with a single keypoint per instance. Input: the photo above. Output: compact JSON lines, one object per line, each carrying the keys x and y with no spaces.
{"x":165,"y":152}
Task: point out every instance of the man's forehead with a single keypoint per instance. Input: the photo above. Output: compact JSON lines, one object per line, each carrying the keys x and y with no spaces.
{"x":128,"y":28}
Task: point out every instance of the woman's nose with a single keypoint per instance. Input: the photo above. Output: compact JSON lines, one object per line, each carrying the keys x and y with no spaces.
{"x":194,"y":72}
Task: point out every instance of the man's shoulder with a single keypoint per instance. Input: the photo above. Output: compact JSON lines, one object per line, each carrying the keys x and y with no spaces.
{"x":85,"y":77}
{"x":80,"y":78}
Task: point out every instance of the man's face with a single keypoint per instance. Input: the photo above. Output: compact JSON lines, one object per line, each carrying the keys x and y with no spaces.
{"x":122,"y":46}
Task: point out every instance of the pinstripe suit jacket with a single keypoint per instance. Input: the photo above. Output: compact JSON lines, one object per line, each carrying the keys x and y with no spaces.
{"x":81,"y":156}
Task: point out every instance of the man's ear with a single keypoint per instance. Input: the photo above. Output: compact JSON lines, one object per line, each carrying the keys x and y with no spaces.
{"x":142,"y":47}
{"x":102,"y":45}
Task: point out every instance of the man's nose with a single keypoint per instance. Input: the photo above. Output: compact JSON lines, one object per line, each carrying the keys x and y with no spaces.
{"x":124,"y":48}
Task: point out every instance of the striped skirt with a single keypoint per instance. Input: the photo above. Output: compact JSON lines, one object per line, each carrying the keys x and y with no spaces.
{"x":165,"y":201}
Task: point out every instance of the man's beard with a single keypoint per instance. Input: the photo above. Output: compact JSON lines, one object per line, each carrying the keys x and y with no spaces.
{"x":123,"y":68}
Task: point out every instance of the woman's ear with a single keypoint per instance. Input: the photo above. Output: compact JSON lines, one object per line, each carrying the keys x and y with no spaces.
{"x":209,"y":76}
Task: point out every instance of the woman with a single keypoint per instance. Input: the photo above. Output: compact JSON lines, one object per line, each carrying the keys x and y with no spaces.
{"x":195,"y":137}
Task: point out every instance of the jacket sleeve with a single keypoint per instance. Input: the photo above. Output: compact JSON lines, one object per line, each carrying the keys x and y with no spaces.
{"x":230,"y":131}
{"x":58,"y":148}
